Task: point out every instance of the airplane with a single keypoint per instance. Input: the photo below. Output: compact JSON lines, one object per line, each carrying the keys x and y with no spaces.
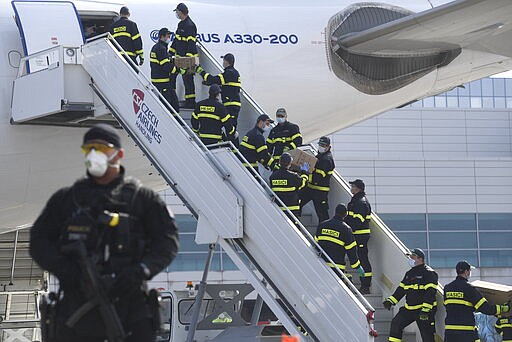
{"x":330,"y":63}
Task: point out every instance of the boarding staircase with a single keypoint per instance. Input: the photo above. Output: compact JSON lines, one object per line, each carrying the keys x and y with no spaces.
{"x":22,"y":283}
{"x":236,"y":209}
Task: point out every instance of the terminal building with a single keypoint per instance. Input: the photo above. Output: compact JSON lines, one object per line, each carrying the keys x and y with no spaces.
{"x":438,"y":172}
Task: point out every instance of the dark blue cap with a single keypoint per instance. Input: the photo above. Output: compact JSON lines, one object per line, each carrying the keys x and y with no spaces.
{"x":264,"y":117}
{"x":214,"y":89}
{"x":103,"y":132}
{"x":182,"y":8}
{"x":359,"y":183}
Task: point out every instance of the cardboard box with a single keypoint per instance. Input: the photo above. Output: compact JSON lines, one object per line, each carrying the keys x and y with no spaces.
{"x":186,"y":62}
{"x":494,"y":293}
{"x":300,"y":157}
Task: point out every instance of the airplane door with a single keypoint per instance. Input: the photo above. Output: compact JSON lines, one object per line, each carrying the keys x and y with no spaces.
{"x":45,"y":24}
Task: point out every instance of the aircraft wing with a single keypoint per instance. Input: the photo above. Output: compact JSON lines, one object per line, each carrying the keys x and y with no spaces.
{"x":482,"y":25}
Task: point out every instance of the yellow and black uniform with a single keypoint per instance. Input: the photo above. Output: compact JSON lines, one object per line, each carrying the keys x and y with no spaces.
{"x":254,"y":149}
{"x":319,"y":185}
{"x":126,"y":33}
{"x":461,"y":300}
{"x":230,"y":84}
{"x":336,"y":239}
{"x":504,"y":328}
{"x":284,"y":137}
{"x":419,"y":287}
{"x":208,"y":119}
{"x":286,"y":185}
{"x":161,"y":71}
{"x":184,"y":45}
{"x":358,"y":218}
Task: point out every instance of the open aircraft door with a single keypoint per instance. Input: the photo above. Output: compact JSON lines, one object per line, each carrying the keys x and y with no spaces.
{"x":50,"y":74}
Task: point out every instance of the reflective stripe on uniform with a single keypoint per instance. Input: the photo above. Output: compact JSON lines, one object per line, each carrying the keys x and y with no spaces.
{"x":341,"y":267}
{"x":293,"y":207}
{"x":316,"y":187}
{"x":185,"y":39}
{"x":233,"y":84}
{"x":356,"y":265}
{"x":458,"y":302}
{"x":250,"y":164}
{"x":362,"y":231}
{"x":367,"y":274}
{"x":190,"y":96}
{"x":261,"y":148}
{"x":394,"y":339}
{"x":249,"y":146}
{"x":354,"y":215}
{"x":460,"y":327}
{"x":129,"y":53}
{"x":393,"y":300}
{"x":160,"y":80}
{"x":350,"y":246}
{"x":284,"y":189}
{"x":320,"y":172}
{"x":481,"y":302}
{"x":233,"y":103}
{"x":417,"y":286}
{"x":136,"y":36}
{"x":121,"y":34}
{"x":211,"y":136}
{"x":330,"y":239}
{"x":192,"y":54}
{"x":413,"y":307}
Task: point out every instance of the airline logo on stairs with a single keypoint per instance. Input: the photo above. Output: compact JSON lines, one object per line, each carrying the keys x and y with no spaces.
{"x":147,"y":122}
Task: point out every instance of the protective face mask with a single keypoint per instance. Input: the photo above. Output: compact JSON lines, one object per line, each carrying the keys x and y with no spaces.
{"x":322,"y":149}
{"x":168,"y":41}
{"x":280,"y":120}
{"x":178,"y":16}
{"x":411,"y":262}
{"x":97,"y":163}
{"x":266,"y":128}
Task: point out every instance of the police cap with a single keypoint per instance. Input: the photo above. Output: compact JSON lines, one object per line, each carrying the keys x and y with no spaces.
{"x":418,"y":252}
{"x":103,"y":132}
{"x":214,"y":89}
{"x":230,"y":58}
{"x":182,"y":8}
{"x":281,"y":112}
{"x":463,"y":266}
{"x":324,"y":141}
{"x":285,"y":159}
{"x":359,"y":183}
{"x":164,"y":31}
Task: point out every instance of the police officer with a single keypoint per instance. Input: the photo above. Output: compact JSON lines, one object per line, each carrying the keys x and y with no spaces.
{"x":139,"y":241}
{"x":283,"y":137}
{"x":162,"y":68}
{"x":358,"y":218}
{"x":286,"y":184}
{"x":504,"y":328}
{"x":230,"y":83}
{"x":184,"y":45}
{"x":126,"y":33}
{"x":319,"y":181}
{"x":419,"y":287}
{"x":253,"y":146}
{"x":209,"y":117}
{"x":336,"y":239}
{"x":461,"y":300}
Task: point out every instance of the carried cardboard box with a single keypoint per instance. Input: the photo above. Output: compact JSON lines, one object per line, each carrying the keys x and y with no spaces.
{"x":186,"y":62}
{"x":300,"y":157}
{"x":495,"y":294}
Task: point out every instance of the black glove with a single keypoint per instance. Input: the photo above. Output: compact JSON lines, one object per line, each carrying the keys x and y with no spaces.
{"x":141,"y":60}
{"x":387,"y":304}
{"x":128,"y":281}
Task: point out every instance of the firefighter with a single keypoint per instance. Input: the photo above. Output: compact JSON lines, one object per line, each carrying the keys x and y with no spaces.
{"x":284,"y":137}
{"x":319,"y":181}
{"x":504,"y":328}
{"x":419,"y":287}
{"x":336,"y":239}
{"x":358,"y":218}
{"x":209,"y":117}
{"x":129,"y":236}
{"x":162,"y":68}
{"x":126,"y":33}
{"x":461,"y":300}
{"x":184,"y":45}
{"x":253,"y":146}
{"x":286,"y":184}
{"x":230,"y":83}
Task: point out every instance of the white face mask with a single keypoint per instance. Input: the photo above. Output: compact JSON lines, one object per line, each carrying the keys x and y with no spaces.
{"x":178,"y":15}
{"x":322,"y":149}
{"x":411,"y":262}
{"x":266,"y":128}
{"x":168,"y":40}
{"x":281,"y":120}
{"x":97,"y":163}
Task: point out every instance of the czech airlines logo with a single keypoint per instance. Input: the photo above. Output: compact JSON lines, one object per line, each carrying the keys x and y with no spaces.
{"x":147,"y":122}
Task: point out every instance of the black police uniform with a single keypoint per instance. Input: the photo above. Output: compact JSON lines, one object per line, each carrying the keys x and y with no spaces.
{"x":126,"y":33}
{"x":148,"y":236}
{"x":504,"y":328}
{"x":358,"y":218}
{"x":184,"y":45}
{"x":282,"y":138}
{"x":254,"y":149}
{"x":286,"y":185}
{"x":319,"y":185}
{"x":162,"y":70}
{"x":230,"y":84}
{"x":461,"y":300}
{"x":336,"y":239}
{"x":419,"y":287}
{"x":208,"y":119}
